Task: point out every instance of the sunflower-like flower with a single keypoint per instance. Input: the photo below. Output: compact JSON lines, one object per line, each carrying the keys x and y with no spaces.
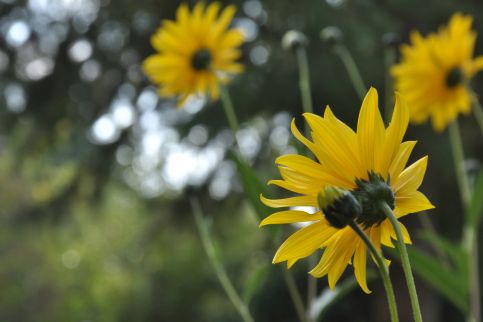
{"x":370,"y":164}
{"x":196,"y":53}
{"x":434,"y":72}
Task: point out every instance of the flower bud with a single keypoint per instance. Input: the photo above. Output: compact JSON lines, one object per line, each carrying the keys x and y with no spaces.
{"x":294,"y":39}
{"x":331,"y":35}
{"x":391,"y":39}
{"x":339,"y":206}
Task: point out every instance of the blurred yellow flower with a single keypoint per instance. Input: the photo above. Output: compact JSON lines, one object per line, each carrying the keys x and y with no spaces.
{"x":434,"y":72}
{"x":196,"y":52}
{"x":350,"y":161}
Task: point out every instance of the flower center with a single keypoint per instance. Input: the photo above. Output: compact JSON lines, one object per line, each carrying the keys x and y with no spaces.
{"x":201,"y":59}
{"x":454,"y":77}
{"x":371,"y":193}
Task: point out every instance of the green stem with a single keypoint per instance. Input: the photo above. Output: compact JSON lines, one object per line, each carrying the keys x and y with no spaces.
{"x":234,"y":126}
{"x":305,"y":91}
{"x":304,"y":79}
{"x":470,"y":232}
{"x":311,"y":287}
{"x":458,"y":157}
{"x":383,"y":270}
{"x":408,"y":274}
{"x":295,"y":295}
{"x":477,"y":110}
{"x":229,"y":109}
{"x":216,"y":264}
{"x":352,"y":69}
{"x":389,"y":60}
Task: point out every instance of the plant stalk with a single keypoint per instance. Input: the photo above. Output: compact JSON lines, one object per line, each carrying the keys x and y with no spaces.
{"x":304,"y":79}
{"x":408,"y":274}
{"x":352,"y":70}
{"x":220,"y":272}
{"x":229,"y":109}
{"x":477,"y":110}
{"x":383,"y":270}
{"x":295,"y":295}
{"x":470,"y":232}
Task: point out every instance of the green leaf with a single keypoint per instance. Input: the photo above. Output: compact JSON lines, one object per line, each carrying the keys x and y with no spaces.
{"x":252,"y":186}
{"x":475,"y":211}
{"x":453,"y":251}
{"x":449,"y":283}
{"x":255,"y":281}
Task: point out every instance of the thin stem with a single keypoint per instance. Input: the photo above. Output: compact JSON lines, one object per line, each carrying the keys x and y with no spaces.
{"x":383,"y":270}
{"x":470,"y":232}
{"x":234,"y":126}
{"x":216,"y":264}
{"x":295,"y":295}
{"x":229,"y":109}
{"x":352,"y":69}
{"x":477,"y":110}
{"x":408,"y":274}
{"x":304,"y":79}
{"x":311,"y":287}
{"x":305,"y":91}
{"x":458,"y":157}
{"x":389,"y":60}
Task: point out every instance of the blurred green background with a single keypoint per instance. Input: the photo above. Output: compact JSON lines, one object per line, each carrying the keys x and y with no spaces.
{"x":95,"y":169}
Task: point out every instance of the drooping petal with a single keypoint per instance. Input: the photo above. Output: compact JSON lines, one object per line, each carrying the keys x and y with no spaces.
{"x":304,"y":242}
{"x":388,"y":233}
{"x":360,"y":266}
{"x":336,"y":256}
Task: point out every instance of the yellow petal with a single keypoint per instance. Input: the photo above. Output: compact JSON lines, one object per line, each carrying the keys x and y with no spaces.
{"x":310,"y":201}
{"x":394,"y":135}
{"x":304,"y":242}
{"x":388,"y":230}
{"x":412,"y":202}
{"x":309,"y":144}
{"x":370,"y":129}
{"x":290,"y":216}
{"x":211,"y":12}
{"x":411,"y":178}
{"x":309,"y":168}
{"x":336,"y":257}
{"x":224,"y":20}
{"x":339,"y":146}
{"x":375,"y":236}
{"x":400,"y":160}
{"x":360,"y":266}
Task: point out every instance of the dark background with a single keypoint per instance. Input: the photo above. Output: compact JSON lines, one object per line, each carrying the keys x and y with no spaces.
{"x":94,"y":167}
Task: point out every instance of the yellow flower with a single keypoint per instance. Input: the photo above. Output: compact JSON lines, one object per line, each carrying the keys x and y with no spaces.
{"x":434,"y":72}
{"x":196,"y":52}
{"x":349,"y":161}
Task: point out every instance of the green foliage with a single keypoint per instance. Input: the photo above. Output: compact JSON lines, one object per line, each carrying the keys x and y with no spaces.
{"x":255,"y":281}
{"x":475,"y":211}
{"x":252,"y":186}
{"x":451,"y":282}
